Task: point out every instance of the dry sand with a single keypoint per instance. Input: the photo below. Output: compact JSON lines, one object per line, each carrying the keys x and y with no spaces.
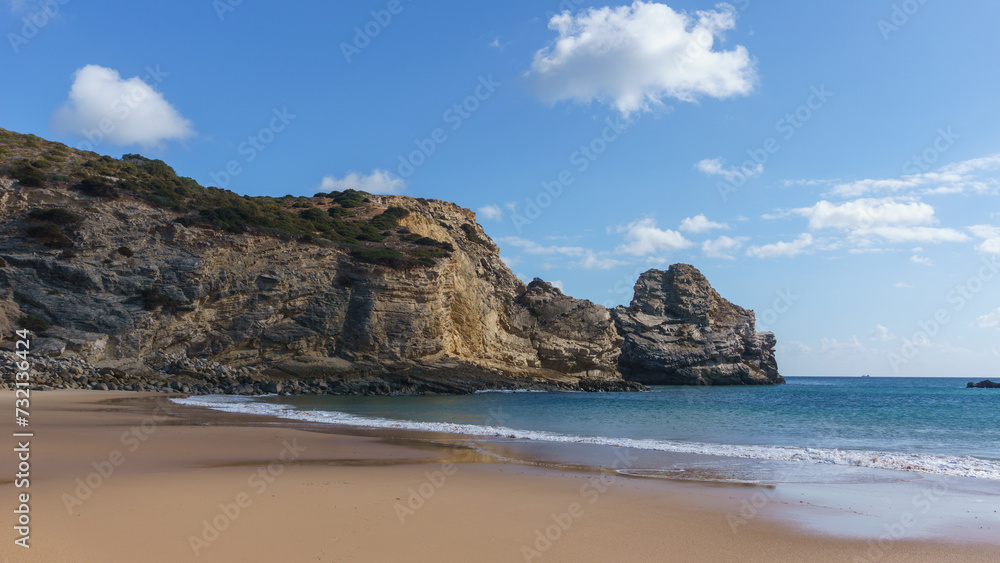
{"x":337,"y":497}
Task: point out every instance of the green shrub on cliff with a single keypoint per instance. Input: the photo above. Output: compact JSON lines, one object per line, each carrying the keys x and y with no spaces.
{"x":56,"y":215}
{"x":50,"y":235}
{"x":28,"y":174}
{"x":33,"y":323}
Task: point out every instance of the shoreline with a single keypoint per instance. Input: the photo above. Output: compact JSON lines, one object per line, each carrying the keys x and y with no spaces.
{"x":287,"y":490}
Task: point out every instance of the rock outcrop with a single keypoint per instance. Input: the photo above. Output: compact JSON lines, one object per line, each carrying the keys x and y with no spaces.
{"x":679,"y":331}
{"x":129,"y":284}
{"x":984,"y":384}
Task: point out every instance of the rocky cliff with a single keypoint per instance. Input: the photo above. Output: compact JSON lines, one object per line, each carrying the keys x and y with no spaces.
{"x":131,"y":277}
{"x":679,"y":331}
{"x":149,"y":279}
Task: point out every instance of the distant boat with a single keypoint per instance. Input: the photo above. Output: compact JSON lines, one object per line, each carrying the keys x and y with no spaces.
{"x":866,"y":375}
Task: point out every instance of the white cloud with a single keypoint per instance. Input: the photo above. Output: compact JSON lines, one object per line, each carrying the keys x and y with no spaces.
{"x":959,"y":177}
{"x":700,"y":224}
{"x":796,"y":347}
{"x":595,"y":261}
{"x":866,"y":213}
{"x":921,"y":260}
{"x":722,"y":247}
{"x":532,"y":247}
{"x":491,"y":212}
{"x":892,"y":219}
{"x":991,"y":234}
{"x":990,"y":246}
{"x":833,"y":345}
{"x":990,"y":320}
{"x":635,"y":56}
{"x":510,"y":261}
{"x":101,"y":105}
{"x":644,"y":238}
{"x":902,"y":285}
{"x":558,"y":284}
{"x":882,"y":334}
{"x":716,"y":167}
{"x":779,"y":249}
{"x":378,"y":182}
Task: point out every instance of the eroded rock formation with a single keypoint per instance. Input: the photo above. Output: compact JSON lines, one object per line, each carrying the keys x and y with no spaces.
{"x":679,"y":331}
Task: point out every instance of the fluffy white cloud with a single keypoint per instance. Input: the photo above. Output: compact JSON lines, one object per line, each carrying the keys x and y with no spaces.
{"x":700,"y":224}
{"x":882,"y":334}
{"x":921,"y":260}
{"x":717,"y":167}
{"x":491,"y":212}
{"x":959,"y":177}
{"x":636,"y":56}
{"x":722,"y":247}
{"x":780,"y":249}
{"x":644,"y":238}
{"x":102,"y":106}
{"x":378,"y":182}
{"x":990,"y":320}
{"x":990,"y":246}
{"x":892,"y":219}
{"x":991,"y":234}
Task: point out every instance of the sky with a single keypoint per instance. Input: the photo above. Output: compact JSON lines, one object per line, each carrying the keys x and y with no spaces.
{"x":834,"y":166}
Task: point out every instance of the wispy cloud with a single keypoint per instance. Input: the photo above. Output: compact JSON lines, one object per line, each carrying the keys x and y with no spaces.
{"x":490,"y":212}
{"x":642,"y":238}
{"x":782,"y":249}
{"x":717,"y":167}
{"x":378,"y":182}
{"x":722,"y":247}
{"x":700,"y":224}
{"x":959,"y":177}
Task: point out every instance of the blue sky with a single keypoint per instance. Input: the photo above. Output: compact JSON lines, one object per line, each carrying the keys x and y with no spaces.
{"x":831,"y":165}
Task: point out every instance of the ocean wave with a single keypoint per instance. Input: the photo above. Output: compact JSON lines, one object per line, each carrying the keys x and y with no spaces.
{"x":966,"y":466}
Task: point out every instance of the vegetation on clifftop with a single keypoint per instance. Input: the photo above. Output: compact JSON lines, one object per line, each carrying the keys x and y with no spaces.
{"x":347,"y":218}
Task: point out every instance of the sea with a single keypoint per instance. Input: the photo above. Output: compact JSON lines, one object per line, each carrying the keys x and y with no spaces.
{"x":813,"y":429}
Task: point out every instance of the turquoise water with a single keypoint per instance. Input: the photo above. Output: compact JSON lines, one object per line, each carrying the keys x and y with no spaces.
{"x":933,"y":425}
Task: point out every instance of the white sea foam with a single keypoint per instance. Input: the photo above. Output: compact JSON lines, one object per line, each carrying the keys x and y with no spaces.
{"x":967,"y":466}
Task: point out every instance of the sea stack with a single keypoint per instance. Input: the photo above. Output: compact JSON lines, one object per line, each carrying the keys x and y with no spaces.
{"x":679,"y":331}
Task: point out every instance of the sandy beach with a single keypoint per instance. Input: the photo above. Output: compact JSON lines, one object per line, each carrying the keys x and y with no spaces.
{"x":132,"y":477}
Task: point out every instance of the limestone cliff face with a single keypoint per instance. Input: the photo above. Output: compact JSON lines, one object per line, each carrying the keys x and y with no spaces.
{"x":285,"y":308}
{"x":679,"y":331}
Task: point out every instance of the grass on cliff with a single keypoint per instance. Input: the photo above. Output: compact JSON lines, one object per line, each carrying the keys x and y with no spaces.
{"x":339,"y":217}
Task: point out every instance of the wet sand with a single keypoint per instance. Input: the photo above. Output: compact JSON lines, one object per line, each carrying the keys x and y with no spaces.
{"x":132,"y":477}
